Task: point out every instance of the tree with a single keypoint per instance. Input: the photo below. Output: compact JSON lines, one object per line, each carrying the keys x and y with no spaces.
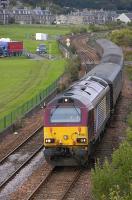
{"x":13,"y":2}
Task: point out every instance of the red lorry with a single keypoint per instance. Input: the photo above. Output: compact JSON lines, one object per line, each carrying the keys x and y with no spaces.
{"x":12,"y":48}
{"x":15,"y":47}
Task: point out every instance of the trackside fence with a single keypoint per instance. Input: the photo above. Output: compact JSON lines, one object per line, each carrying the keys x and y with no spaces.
{"x":22,"y":110}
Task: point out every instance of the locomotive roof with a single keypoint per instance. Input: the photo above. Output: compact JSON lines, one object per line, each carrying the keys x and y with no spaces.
{"x":106,"y":71}
{"x":87,"y":91}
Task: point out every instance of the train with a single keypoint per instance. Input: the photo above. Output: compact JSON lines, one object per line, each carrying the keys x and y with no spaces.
{"x":11,"y":48}
{"x":75,"y":119}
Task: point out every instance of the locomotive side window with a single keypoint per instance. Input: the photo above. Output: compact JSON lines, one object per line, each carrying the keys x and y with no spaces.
{"x":63,"y":115}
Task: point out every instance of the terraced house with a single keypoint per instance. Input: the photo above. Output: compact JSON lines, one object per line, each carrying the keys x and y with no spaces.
{"x":21,"y":16}
{"x":35,"y":16}
{"x":87,"y":17}
{"x":4,"y":16}
{"x":42,"y":16}
{"x":38,"y":16}
{"x":4,"y":3}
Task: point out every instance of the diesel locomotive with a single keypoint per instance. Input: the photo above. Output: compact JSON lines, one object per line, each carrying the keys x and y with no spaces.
{"x":75,"y":119}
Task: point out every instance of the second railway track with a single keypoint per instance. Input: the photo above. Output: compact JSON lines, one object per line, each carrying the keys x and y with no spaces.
{"x":11,"y":164}
{"x":57,"y":184}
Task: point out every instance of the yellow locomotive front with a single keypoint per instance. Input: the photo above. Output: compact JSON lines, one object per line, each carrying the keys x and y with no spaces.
{"x":66,"y":132}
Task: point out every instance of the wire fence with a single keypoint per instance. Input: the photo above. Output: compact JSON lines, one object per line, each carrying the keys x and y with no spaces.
{"x":22,"y":110}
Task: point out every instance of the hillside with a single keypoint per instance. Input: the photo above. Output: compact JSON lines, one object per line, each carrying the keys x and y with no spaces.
{"x":95,"y":4}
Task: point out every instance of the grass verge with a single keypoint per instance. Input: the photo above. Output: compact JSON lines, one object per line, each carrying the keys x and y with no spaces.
{"x":21,"y":79}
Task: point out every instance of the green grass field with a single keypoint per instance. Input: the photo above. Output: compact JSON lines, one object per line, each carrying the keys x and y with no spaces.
{"x":25,"y":33}
{"x":21,"y":78}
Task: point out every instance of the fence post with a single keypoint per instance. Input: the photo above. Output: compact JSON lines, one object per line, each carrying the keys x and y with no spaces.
{"x":27,"y":106}
{"x":11,"y":117}
{"x":5,"y":122}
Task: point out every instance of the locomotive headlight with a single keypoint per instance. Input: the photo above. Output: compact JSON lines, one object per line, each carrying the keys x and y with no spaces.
{"x":65,"y":100}
{"x":49,"y":140}
{"x":81,"y":140}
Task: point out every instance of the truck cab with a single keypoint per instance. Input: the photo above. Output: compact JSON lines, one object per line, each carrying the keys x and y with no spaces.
{"x":3,"y":51}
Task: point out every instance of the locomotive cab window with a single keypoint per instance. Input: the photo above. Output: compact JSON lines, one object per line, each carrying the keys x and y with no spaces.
{"x":65,"y":114}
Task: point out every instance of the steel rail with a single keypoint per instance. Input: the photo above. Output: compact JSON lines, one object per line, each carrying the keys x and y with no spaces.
{"x":18,"y":170}
{"x":72,"y":184}
{"x":43,"y":181}
{"x":22,"y":143}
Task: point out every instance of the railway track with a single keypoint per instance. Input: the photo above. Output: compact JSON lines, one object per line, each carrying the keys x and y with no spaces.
{"x":12,"y":163}
{"x":87,"y":54}
{"x":57,"y":184}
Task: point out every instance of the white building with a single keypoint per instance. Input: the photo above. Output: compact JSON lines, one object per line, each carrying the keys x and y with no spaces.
{"x":125,"y":17}
{"x":41,"y":36}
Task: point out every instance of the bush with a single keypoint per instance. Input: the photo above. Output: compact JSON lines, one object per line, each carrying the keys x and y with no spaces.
{"x":76,"y":30}
{"x":73,"y":68}
{"x":114,"y":181}
{"x":11,"y":20}
{"x":129,"y":120}
{"x":122,"y":37}
{"x":128,"y":55}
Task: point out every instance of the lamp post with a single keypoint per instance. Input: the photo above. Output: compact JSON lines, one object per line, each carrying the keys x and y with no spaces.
{"x":4,"y":16}
{"x":67,"y":44}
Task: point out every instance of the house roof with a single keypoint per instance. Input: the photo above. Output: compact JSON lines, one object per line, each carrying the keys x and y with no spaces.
{"x":129,"y":15}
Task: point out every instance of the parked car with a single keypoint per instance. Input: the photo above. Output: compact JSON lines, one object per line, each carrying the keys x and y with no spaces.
{"x":41,"y":49}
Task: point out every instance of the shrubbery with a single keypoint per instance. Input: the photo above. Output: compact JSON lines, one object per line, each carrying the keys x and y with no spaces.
{"x":76,"y":30}
{"x":73,"y":68}
{"x":114,"y":181}
{"x":128,"y":55}
{"x":122,"y":37}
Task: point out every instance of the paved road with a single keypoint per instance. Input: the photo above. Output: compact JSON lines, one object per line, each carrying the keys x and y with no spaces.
{"x":35,"y":57}
{"x":42,"y":57}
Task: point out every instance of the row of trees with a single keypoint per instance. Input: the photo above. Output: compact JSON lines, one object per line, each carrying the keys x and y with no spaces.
{"x":95,"y":4}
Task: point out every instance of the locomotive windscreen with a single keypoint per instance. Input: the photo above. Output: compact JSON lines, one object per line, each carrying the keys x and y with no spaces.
{"x":65,"y":115}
